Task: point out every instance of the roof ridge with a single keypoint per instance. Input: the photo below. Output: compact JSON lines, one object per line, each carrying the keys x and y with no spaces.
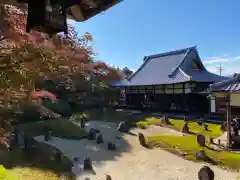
{"x":178,"y":51}
{"x":187,"y":52}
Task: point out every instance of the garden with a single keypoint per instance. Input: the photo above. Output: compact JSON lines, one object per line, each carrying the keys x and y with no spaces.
{"x":187,"y":145}
{"x":48,"y":86}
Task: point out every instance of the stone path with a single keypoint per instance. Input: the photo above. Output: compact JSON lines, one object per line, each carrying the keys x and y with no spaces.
{"x":131,"y":161}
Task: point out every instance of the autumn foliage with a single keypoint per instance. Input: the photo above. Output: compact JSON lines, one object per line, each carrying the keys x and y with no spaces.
{"x":29,"y":57}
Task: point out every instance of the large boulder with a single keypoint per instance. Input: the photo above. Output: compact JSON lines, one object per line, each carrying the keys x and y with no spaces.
{"x":206,"y":173}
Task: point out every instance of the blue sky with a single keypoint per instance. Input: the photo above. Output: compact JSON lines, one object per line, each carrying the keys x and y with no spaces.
{"x":133,"y":29}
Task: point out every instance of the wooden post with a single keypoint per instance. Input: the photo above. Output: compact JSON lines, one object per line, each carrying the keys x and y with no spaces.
{"x":229,"y":138}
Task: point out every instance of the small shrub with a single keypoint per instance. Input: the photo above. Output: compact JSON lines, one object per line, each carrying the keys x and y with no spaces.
{"x":60,"y":107}
{"x":142,"y":125}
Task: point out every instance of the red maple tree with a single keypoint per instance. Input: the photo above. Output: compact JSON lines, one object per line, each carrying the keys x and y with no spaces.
{"x":27,"y":57}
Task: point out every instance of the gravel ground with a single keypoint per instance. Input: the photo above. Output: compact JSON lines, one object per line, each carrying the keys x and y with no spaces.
{"x":131,"y":161}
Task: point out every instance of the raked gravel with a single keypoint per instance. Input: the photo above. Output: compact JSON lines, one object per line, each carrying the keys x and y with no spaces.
{"x":131,"y":161}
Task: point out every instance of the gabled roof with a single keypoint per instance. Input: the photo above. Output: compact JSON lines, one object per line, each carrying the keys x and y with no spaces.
{"x":229,"y":85}
{"x":171,"y":67}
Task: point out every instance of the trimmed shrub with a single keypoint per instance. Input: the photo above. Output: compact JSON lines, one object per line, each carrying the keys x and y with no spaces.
{"x":60,"y":107}
{"x":29,"y":114}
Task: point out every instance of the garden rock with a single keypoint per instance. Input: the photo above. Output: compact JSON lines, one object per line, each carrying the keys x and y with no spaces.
{"x":92,"y":135}
{"x":201,"y":156}
{"x":108,"y":177}
{"x":99,"y":139}
{"x":206,"y":173}
{"x":185,"y":128}
{"x":201,"y":140}
{"x":123,"y":127}
{"x":211,"y":140}
{"x":165,"y":120}
{"x":111,"y":146}
{"x":142,"y":140}
{"x":95,"y":130}
{"x":87,"y":164}
{"x":200,"y":123}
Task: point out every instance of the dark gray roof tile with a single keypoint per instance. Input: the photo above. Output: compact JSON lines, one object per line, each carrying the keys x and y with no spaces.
{"x":205,"y":76}
{"x":229,"y":85}
{"x":157,"y":70}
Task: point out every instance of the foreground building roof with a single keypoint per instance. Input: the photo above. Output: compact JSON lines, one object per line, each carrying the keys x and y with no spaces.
{"x":230,"y":85}
{"x":172,"y":67}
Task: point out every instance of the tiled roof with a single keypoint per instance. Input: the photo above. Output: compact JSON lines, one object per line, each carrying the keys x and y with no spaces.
{"x":205,"y":76}
{"x":157,"y":69}
{"x":230,"y":85}
{"x":171,"y":67}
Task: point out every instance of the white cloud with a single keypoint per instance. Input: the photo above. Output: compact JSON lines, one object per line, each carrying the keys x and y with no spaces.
{"x":230,"y":65}
{"x":218,"y":60}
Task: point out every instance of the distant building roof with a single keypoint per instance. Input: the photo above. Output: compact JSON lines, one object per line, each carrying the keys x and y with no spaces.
{"x":171,"y":67}
{"x":230,"y":85}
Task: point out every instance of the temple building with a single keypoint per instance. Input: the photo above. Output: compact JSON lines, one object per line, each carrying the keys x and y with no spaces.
{"x":175,"y":81}
{"x":226,"y":93}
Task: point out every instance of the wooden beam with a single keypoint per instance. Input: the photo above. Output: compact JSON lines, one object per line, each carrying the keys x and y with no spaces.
{"x":229,"y":138}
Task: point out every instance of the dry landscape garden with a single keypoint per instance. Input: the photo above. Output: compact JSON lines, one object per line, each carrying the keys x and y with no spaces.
{"x":59,"y":118}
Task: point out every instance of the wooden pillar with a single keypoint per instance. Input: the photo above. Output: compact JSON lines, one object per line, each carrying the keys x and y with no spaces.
{"x":229,"y":137}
